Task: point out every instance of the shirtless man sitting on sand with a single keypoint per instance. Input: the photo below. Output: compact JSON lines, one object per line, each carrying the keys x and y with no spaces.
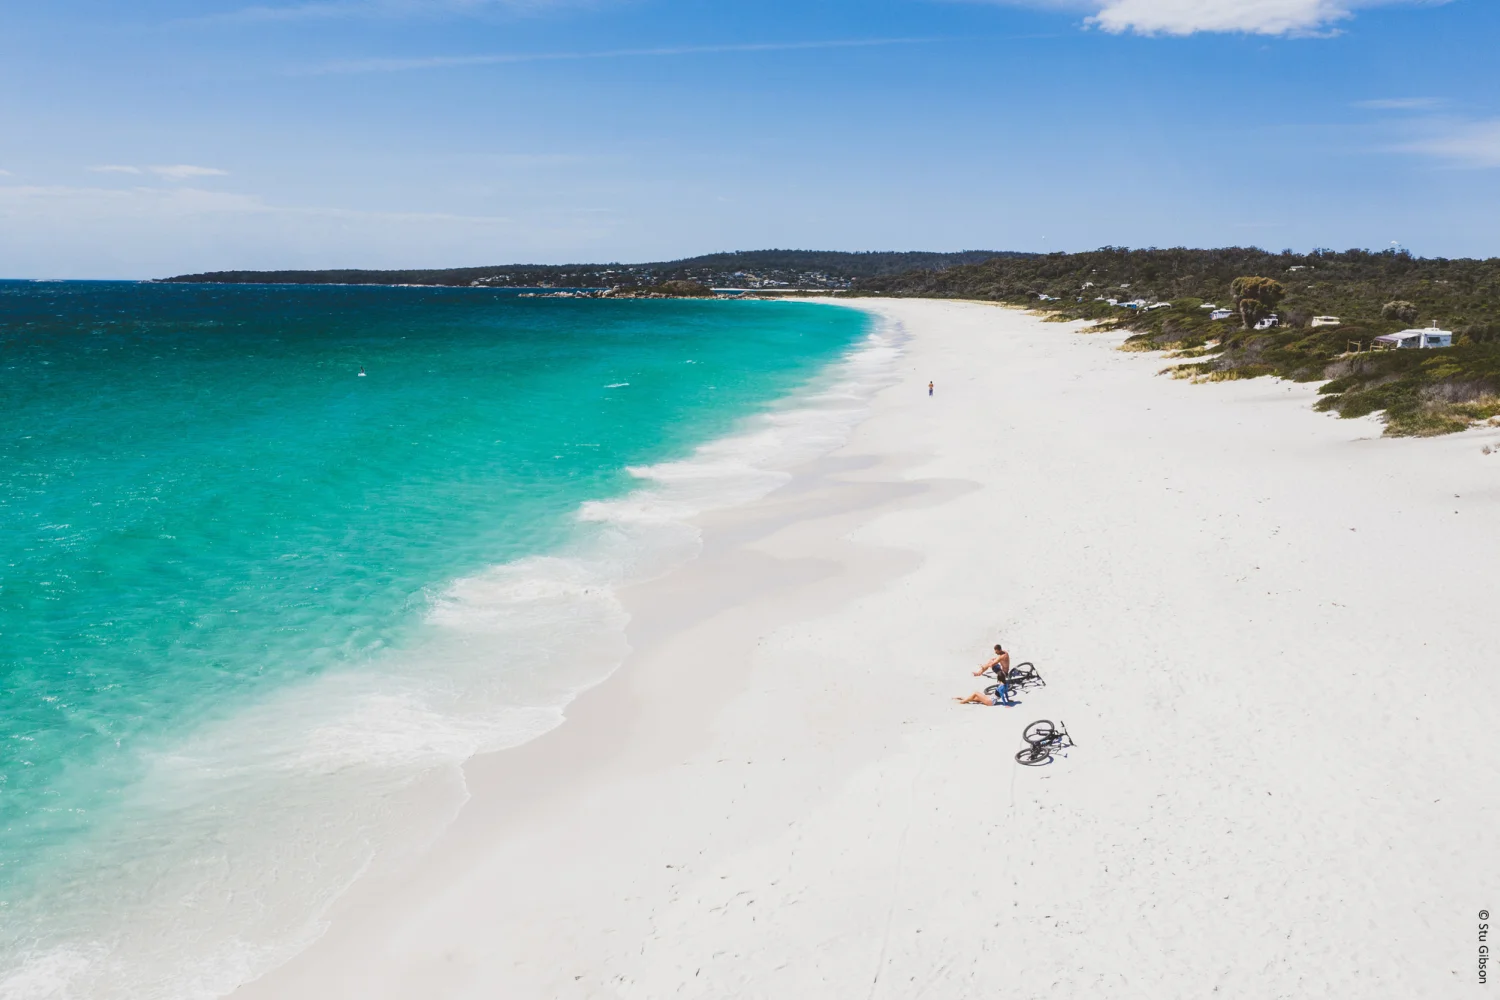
{"x":1001,"y":666}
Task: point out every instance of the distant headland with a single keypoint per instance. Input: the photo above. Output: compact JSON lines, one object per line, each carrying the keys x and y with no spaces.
{"x":747,"y":270}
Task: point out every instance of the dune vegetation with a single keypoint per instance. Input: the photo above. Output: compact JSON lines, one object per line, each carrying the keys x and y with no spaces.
{"x":1167,"y":300}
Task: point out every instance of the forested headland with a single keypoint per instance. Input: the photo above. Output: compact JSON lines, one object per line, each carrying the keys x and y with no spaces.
{"x":1163,"y":296}
{"x":748,"y":269}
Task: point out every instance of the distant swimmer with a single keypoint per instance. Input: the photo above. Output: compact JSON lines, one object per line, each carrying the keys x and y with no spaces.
{"x":929,"y":388}
{"x":361,"y":371}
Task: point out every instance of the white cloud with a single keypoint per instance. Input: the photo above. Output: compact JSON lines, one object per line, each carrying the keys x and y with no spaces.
{"x":1185,"y":17}
{"x":172,"y":172}
{"x":184,"y":171}
{"x":4,"y":173}
{"x":1188,"y":17}
{"x":1402,"y":104}
{"x":1474,"y":144}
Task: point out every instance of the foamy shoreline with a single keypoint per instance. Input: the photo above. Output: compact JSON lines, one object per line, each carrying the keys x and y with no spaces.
{"x":1265,"y":627}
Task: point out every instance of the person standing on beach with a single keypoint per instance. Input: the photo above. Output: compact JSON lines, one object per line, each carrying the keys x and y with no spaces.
{"x":929,"y":388}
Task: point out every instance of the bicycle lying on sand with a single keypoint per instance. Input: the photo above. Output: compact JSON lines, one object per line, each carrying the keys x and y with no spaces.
{"x":1021,"y":677}
{"x":1043,"y":739}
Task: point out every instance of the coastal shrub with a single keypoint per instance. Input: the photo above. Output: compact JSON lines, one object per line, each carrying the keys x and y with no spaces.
{"x":682,"y":289}
{"x":1338,"y":385}
{"x":1295,"y":317}
{"x":1427,"y":421}
{"x":1478,"y":333}
{"x":1399,"y":310}
{"x":1359,"y":402}
{"x":1484,"y":408}
{"x":1235,"y":373}
{"x":1256,"y":298}
{"x":664,"y":290}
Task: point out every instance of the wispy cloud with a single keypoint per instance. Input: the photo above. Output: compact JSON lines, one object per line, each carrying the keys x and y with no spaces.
{"x":4,"y":173}
{"x":1471,"y":144}
{"x":185,"y":171}
{"x":395,"y":65}
{"x":1402,"y":104}
{"x":1190,"y":17}
{"x":172,"y":172}
{"x":539,"y":159}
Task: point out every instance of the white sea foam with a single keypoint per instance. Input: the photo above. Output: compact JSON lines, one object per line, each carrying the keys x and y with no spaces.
{"x":234,"y":844}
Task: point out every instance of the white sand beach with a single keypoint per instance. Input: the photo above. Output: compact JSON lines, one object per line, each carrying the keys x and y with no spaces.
{"x":1272,"y":634}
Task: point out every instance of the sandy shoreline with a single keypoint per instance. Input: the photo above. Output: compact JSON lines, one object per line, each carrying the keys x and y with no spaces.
{"x":1269,"y":631}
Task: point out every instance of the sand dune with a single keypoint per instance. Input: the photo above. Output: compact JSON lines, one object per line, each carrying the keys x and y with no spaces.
{"x":1271,"y":633}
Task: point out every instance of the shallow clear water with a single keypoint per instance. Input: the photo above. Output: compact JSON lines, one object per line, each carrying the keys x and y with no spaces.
{"x":247,"y":595}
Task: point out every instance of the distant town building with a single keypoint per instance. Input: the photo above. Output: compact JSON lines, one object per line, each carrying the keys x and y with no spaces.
{"x":1325,"y":321}
{"x":1160,"y":305}
{"x":1414,"y":339}
{"x":1208,"y":305}
{"x":1221,"y":314}
{"x":1268,"y":322}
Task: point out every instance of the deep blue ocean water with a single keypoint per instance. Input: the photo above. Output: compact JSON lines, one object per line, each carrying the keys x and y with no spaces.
{"x":210,"y":519}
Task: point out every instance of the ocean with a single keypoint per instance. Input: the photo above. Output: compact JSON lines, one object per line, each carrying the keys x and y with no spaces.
{"x":275,"y":560}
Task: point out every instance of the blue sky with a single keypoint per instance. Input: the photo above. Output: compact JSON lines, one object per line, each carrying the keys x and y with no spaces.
{"x":163,"y":136}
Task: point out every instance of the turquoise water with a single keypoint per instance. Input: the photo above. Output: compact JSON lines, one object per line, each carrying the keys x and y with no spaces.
{"x":206,"y":508}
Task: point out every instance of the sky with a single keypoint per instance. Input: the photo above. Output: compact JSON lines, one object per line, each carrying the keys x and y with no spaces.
{"x":168,"y":136}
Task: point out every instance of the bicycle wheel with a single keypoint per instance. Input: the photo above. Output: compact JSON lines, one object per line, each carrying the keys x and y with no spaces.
{"x":1040,"y":732}
{"x":1033,"y":756}
{"x":1022,"y":673}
